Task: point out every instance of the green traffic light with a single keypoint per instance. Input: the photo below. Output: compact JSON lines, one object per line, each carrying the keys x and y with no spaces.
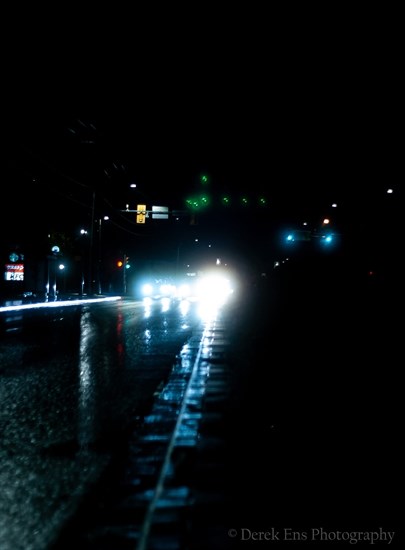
{"x":196,"y":203}
{"x":192,"y":203}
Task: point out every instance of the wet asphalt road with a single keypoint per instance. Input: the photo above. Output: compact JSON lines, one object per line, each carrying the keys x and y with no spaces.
{"x":309,"y":436}
{"x":71,"y":382}
{"x":300,"y":443}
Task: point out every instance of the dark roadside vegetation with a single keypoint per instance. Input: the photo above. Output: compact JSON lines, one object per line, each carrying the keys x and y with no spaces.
{"x":313,"y":426}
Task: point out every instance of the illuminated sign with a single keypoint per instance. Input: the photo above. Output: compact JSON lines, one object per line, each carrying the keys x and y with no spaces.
{"x":14,"y":272}
{"x":160,"y":212}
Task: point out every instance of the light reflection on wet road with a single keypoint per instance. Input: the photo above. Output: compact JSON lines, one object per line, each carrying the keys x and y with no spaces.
{"x":71,"y":380}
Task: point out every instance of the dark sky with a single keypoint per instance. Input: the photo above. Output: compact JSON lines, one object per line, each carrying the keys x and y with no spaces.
{"x":304,"y":110}
{"x":267,"y":99}
{"x":304,"y":149}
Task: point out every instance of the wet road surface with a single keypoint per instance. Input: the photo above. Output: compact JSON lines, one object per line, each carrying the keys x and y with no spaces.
{"x":299,"y":439}
{"x":71,"y":382}
{"x":300,"y":434}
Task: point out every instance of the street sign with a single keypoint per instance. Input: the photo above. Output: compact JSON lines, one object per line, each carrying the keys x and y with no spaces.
{"x":14,"y":272}
{"x":160,"y":212}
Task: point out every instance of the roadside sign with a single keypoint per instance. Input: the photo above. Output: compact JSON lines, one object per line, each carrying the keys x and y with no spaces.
{"x":160,"y":212}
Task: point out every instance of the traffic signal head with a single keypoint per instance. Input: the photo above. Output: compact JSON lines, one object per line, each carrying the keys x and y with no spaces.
{"x":141,"y":213}
{"x":120,"y":263}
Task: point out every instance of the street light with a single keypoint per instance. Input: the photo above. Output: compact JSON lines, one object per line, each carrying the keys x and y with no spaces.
{"x":51,"y":275}
{"x":82,"y":248}
{"x":62,"y":270}
{"x":105,"y":218}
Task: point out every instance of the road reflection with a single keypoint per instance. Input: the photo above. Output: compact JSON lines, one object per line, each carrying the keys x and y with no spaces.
{"x":72,"y":380}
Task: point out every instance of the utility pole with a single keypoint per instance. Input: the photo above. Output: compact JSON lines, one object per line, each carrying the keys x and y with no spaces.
{"x":124,"y":274}
{"x":90,"y":283}
{"x":99,"y":258}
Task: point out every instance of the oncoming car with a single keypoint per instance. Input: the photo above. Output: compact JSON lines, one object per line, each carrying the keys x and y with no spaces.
{"x":210,"y":286}
{"x":207,"y":286}
{"x":156,"y":288}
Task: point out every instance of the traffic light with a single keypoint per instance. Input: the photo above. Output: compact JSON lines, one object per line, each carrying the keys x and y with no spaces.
{"x":141,"y":213}
{"x":120,"y":263}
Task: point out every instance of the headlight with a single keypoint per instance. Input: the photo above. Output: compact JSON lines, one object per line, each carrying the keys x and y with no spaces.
{"x":147,"y":289}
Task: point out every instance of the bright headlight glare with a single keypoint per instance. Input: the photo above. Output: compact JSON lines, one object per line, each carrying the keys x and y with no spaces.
{"x":147,"y":289}
{"x":215,"y":288}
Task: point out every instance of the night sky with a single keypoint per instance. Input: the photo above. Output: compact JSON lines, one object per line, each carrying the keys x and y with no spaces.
{"x":302,"y":115}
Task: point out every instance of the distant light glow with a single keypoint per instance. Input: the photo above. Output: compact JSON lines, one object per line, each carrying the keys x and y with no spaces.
{"x":183,"y":291}
{"x":184,"y":308}
{"x":147,"y":289}
{"x":390,"y":190}
{"x":165,"y":304}
{"x":214,"y":288}
{"x":208,"y":311}
{"x":327,"y":239}
{"x":147,"y":304}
